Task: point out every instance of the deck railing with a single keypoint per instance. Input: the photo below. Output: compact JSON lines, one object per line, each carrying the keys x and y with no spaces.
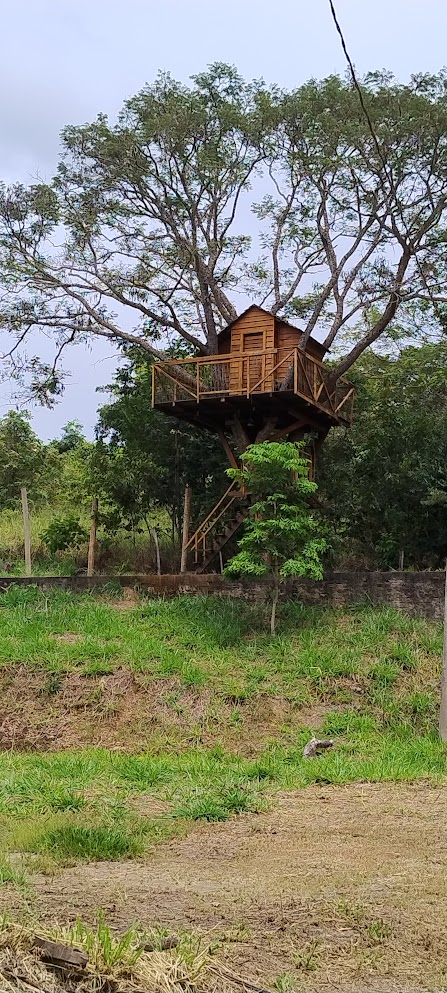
{"x":251,"y":373}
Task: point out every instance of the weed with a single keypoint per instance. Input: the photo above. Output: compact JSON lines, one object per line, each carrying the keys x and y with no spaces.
{"x":218,"y":805}
{"x":378,"y":932}
{"x":140,"y":771}
{"x":307,"y":959}
{"x":284,"y":983}
{"x":346,"y":722}
{"x":384,"y":673}
{"x":12,"y":874}
{"x":105,"y":950}
{"x":91,"y":843}
{"x":52,"y":685}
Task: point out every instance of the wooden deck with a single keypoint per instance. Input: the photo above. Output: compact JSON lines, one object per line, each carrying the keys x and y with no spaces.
{"x":275,"y":374}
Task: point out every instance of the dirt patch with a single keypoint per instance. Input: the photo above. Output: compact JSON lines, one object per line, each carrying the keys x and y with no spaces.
{"x":124,"y":709}
{"x":340,"y":888}
{"x":129,"y":599}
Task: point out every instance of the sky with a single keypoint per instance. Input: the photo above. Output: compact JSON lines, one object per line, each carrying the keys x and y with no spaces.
{"x":64,"y":61}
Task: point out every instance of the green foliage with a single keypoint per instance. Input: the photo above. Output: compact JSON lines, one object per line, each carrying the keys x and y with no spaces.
{"x":143,"y":459}
{"x":22,"y":461}
{"x":63,"y":533}
{"x":384,"y":482}
{"x":280,"y":538}
{"x":72,"y":437}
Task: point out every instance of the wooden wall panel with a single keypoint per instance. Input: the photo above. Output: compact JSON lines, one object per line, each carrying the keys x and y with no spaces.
{"x":252,"y":332}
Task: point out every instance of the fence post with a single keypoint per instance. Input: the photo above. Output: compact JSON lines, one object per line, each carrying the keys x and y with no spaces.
{"x":92,"y":539}
{"x":186,"y":523}
{"x":26,"y":530}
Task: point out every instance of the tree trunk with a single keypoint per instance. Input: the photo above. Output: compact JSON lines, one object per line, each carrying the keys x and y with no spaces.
{"x":275,"y":597}
{"x":26,"y":530}
{"x":186,"y":523}
{"x":157,"y":549}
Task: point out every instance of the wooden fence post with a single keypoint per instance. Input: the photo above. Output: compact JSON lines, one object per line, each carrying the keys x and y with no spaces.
{"x":26,"y":530}
{"x":92,"y":539}
{"x":186,"y":523}
{"x":443,"y":704}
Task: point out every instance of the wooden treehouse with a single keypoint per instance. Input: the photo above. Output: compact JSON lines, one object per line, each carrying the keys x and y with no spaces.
{"x":260,"y":386}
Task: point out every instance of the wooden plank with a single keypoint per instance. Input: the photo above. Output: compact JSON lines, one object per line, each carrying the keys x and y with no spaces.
{"x":228,"y":451}
{"x":65,"y":955}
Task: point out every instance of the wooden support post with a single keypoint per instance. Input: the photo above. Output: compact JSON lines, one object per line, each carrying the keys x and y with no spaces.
{"x":443,"y":704}
{"x":26,"y":530}
{"x":401,"y":560}
{"x":92,"y":539}
{"x":186,"y":523}
{"x":295,"y":426}
{"x":228,"y":451}
{"x":157,"y":549}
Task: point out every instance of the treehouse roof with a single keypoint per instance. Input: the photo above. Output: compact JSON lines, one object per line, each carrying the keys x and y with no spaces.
{"x":317,"y":346}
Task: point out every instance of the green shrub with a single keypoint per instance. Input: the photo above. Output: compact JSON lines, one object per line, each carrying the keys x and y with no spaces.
{"x":63,"y":533}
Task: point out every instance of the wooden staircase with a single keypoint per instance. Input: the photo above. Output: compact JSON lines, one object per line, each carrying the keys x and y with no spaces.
{"x":221,"y":524}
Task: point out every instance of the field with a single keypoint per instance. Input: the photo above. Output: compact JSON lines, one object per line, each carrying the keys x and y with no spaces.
{"x":152,"y":766}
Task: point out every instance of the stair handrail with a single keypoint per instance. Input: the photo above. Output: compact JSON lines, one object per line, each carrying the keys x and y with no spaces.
{"x":212,"y":519}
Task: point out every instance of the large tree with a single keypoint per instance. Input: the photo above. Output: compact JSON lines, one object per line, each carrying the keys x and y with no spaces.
{"x":157,"y":227}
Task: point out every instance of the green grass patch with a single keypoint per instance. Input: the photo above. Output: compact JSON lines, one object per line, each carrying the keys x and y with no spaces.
{"x":197,"y":784}
{"x":91,"y":843}
{"x":235,"y":708}
{"x":11,"y":874}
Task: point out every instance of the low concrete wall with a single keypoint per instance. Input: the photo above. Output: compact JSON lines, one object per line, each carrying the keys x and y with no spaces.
{"x":419,"y":593}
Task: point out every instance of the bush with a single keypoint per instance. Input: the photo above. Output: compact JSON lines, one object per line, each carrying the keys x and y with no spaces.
{"x":63,"y":533}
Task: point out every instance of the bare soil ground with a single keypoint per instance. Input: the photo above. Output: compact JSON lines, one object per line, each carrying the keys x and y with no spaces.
{"x":339,"y":888}
{"x":123,"y":709}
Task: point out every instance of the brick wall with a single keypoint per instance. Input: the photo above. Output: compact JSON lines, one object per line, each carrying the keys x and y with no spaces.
{"x":419,"y":593}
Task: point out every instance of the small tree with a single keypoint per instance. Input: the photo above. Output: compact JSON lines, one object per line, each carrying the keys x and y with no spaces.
{"x":281,"y":536}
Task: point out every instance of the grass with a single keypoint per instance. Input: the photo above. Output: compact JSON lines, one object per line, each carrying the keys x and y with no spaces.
{"x":114,"y":961}
{"x":120,"y":552}
{"x":224,"y":711}
{"x":92,"y":843}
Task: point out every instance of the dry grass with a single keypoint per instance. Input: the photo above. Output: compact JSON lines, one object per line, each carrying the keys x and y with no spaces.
{"x":117,"y":963}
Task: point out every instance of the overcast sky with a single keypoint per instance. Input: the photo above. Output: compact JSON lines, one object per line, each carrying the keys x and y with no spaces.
{"x":63,"y":61}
